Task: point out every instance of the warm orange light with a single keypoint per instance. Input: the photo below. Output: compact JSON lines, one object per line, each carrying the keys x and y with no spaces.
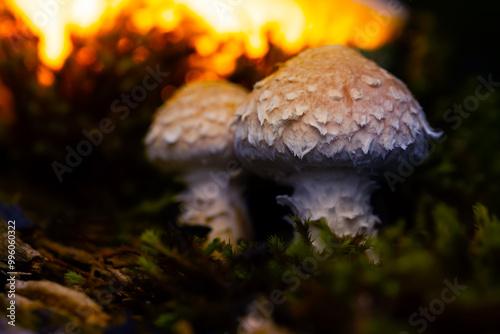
{"x":86,"y":56}
{"x":205,"y":46}
{"x":248,"y":26}
{"x":45,"y":76}
{"x":224,"y":64}
{"x":54,"y":21}
{"x":143,"y":20}
{"x":140,"y":54}
{"x":124,"y":45}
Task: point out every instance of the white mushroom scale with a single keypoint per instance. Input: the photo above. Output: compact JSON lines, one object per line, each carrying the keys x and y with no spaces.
{"x":324,"y":123}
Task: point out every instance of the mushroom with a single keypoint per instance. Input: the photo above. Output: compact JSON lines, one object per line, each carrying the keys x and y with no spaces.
{"x":324,"y":123}
{"x":191,"y":135}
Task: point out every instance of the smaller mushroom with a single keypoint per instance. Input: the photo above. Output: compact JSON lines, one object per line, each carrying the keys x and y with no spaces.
{"x":325,"y":123}
{"x":191,"y":135}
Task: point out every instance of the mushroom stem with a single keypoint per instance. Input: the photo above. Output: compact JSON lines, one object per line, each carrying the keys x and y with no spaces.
{"x":341,"y":198}
{"x":213,"y":199}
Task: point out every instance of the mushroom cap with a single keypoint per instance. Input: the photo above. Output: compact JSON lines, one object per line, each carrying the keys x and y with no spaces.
{"x":194,"y":125}
{"x":329,"y":107}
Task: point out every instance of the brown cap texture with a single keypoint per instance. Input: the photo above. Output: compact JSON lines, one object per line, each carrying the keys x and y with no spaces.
{"x":329,"y":107}
{"x":194,"y":125}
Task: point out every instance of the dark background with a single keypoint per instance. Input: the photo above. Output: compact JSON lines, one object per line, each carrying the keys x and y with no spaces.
{"x":444,"y":48}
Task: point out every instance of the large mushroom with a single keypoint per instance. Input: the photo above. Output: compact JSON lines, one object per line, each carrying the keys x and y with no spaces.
{"x":191,"y":136}
{"x":324,"y":123}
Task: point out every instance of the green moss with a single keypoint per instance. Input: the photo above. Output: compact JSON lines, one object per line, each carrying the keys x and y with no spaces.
{"x":71,"y":277}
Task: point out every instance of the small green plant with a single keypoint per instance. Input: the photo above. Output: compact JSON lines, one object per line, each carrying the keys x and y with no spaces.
{"x":71,"y":277}
{"x":211,"y":247}
{"x":276,"y":245}
{"x":148,"y":265}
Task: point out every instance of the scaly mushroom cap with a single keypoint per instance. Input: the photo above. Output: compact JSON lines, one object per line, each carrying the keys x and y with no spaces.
{"x":194,"y":125}
{"x":329,"y":107}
